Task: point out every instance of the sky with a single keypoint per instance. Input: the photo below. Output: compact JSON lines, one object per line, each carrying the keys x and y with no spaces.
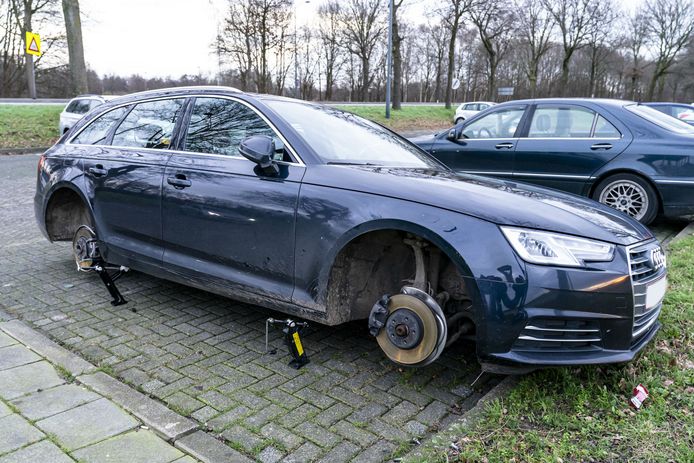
{"x":159,"y":38}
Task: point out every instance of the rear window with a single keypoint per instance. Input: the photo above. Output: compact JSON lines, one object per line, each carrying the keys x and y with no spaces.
{"x":661,"y":120}
{"x":78,"y":107}
{"x":96,"y":133}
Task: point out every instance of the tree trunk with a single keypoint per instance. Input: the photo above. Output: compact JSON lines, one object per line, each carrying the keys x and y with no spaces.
{"x":31,"y":83}
{"x":653,"y":82}
{"x":451,"y":65}
{"x":365,"y":79}
{"x":73,"y":30}
{"x":397,"y":63}
{"x":565,"y":74}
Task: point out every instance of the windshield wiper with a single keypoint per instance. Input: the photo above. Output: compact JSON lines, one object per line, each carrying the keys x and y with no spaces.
{"x":350,"y":163}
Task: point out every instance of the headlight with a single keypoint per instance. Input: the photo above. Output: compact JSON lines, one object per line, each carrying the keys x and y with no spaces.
{"x":540,"y":247}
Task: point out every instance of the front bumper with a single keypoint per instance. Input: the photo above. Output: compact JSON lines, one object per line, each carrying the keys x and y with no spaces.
{"x":580,"y":316}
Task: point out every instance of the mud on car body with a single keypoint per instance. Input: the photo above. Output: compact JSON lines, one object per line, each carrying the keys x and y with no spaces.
{"x":321,"y":214}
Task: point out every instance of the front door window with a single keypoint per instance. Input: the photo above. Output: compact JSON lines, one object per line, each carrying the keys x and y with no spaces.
{"x":499,"y":124}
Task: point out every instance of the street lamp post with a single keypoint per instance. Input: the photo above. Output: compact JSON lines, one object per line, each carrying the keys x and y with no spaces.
{"x":389,"y":71}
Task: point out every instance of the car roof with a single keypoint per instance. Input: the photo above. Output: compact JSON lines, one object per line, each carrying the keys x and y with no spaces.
{"x":602,"y":101}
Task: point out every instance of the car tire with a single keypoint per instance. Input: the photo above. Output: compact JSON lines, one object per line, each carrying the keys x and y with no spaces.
{"x":459,"y":120}
{"x":630,"y":194}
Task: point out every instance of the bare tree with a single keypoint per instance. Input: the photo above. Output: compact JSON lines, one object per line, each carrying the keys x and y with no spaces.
{"x":535,"y":27}
{"x":363,"y":26}
{"x":493,"y":21}
{"x":574,"y":19}
{"x":452,"y":16}
{"x":636,"y":37}
{"x":329,"y":33}
{"x":73,"y":29}
{"x":237,"y":39}
{"x":670,"y":25}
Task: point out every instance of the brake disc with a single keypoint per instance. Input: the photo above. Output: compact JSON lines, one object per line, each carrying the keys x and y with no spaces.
{"x":414,"y":332}
{"x":85,"y":249}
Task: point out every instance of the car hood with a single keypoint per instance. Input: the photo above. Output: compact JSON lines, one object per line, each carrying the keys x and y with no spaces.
{"x":499,"y":201}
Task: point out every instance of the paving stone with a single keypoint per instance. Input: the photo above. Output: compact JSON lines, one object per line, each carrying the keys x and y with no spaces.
{"x":416,"y":428}
{"x":400,"y":413}
{"x":186,"y":459}
{"x":270,"y":455}
{"x":386,"y":430}
{"x":342,"y":452}
{"x":4,"y":410}
{"x":432,"y":413}
{"x":314,"y":397}
{"x":380,"y":451}
{"x":243,"y":437}
{"x":307,"y":452}
{"x":16,"y":355}
{"x":5,"y":340}
{"x":263,"y":416}
{"x":134,"y":447}
{"x":52,"y":401}
{"x":204,"y":414}
{"x":217,"y":400}
{"x":273,"y":431}
{"x":359,"y":435}
{"x":336,"y":412}
{"x":40,"y":452}
{"x":225,"y":419}
{"x":209,"y":450}
{"x":16,"y":432}
{"x":317,"y":434}
{"x":87,"y":424}
{"x":183,"y":403}
{"x":27,"y":378}
{"x":367,"y":412}
{"x":299,"y":415}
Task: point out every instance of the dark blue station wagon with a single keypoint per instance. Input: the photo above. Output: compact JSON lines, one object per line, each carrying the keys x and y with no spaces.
{"x":324,"y":215}
{"x":620,"y":153}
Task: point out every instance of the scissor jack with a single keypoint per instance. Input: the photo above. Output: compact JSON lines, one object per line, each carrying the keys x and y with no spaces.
{"x":292,"y":340}
{"x":88,"y":258}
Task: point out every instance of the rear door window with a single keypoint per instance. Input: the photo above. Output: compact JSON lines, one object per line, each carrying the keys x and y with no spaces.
{"x":97,"y":132}
{"x":149,"y":124}
{"x":561,"y":122}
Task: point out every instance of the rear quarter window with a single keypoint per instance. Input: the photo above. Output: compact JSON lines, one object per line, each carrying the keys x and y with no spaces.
{"x":97,"y":132}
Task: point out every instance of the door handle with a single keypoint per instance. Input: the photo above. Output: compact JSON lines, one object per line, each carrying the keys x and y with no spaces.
{"x":506,"y":145}
{"x":98,"y":171}
{"x":601,"y":146}
{"x":179,"y":181}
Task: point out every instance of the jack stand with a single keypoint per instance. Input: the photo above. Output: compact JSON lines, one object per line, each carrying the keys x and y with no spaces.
{"x":291,"y":331}
{"x":110,"y":283}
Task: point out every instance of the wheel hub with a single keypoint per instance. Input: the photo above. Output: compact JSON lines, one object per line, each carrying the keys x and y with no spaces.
{"x":404,"y":328}
{"x":84,"y":248}
{"x":413,"y":330}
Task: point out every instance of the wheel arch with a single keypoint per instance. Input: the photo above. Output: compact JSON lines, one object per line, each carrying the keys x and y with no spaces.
{"x":61,"y":219}
{"x":372,"y":229}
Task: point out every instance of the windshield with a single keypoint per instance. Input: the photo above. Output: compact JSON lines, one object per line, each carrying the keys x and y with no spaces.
{"x":660,"y":119}
{"x":339,"y":137}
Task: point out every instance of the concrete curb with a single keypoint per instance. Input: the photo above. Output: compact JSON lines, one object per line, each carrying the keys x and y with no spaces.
{"x":168,"y":424}
{"x":10,"y":151}
{"x":46,"y":348}
{"x":686,"y":231}
{"x":467,"y":420}
{"x":182,"y":432}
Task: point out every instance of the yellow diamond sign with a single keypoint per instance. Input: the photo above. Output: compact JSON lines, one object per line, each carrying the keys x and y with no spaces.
{"x":33,"y":42}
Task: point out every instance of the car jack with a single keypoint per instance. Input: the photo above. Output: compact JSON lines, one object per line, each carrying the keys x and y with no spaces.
{"x":292,"y":340}
{"x":109,"y":281}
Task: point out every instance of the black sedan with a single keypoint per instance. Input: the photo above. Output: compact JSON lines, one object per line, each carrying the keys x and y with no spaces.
{"x":321,"y":214}
{"x":625,"y":155}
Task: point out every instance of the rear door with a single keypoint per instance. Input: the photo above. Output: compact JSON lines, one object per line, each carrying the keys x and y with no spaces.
{"x":226,"y":223}
{"x":123,"y":176}
{"x":565,"y":144}
{"x":483,"y":146}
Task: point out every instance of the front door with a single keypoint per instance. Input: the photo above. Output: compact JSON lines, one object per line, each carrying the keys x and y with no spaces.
{"x":226,"y":223}
{"x":482,"y":146}
{"x":565,"y":145}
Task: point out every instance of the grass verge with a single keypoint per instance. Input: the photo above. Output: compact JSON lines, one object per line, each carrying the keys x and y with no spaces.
{"x":28,"y":126}
{"x":582,"y":414}
{"x":407,"y":118}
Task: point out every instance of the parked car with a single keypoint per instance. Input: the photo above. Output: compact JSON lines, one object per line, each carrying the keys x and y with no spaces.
{"x":78,"y":107}
{"x":683,"y":112}
{"x":321,"y":214}
{"x":467,"y":110}
{"x":623,"y":154}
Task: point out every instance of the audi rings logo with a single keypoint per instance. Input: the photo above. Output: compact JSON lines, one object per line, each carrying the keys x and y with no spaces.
{"x":657,"y":258}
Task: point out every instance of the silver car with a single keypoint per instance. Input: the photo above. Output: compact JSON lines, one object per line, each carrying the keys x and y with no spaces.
{"x":78,"y":107}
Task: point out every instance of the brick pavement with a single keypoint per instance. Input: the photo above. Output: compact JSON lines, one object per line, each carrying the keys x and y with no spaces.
{"x":203,"y":355}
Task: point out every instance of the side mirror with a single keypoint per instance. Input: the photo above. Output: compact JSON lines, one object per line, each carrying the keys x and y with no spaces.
{"x":452,"y":134}
{"x":260,"y":149}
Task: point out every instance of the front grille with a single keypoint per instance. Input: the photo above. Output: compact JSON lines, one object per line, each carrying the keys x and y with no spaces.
{"x":647,"y":265}
{"x":556,"y":334}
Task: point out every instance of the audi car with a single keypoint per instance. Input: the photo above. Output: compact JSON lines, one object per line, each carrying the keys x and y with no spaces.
{"x":323,"y":215}
{"x":623,"y":154}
